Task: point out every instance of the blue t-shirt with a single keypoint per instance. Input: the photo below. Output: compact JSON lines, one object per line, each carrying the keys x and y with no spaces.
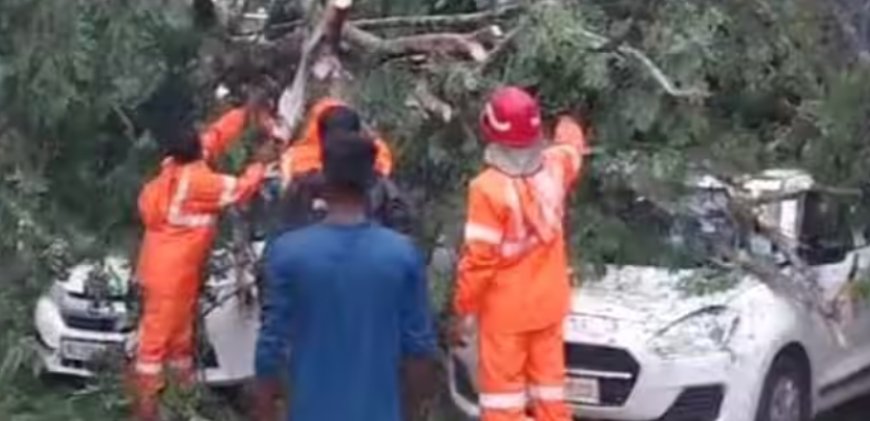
{"x":347,"y":303}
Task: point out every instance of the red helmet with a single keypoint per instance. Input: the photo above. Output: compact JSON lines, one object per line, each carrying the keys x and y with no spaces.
{"x":511,"y":118}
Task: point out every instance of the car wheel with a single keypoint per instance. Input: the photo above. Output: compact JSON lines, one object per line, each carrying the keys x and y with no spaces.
{"x":785,"y":396}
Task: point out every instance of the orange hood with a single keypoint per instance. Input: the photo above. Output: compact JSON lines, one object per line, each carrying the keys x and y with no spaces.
{"x":304,"y":154}
{"x":311,"y":134}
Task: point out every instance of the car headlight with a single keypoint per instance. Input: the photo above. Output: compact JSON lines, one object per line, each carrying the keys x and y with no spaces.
{"x":49,"y":324}
{"x":701,"y":332}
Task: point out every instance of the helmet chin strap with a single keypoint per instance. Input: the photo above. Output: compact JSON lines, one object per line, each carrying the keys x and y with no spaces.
{"x":513,"y":161}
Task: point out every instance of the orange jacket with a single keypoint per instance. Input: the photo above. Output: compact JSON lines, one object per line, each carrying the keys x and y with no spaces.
{"x":180,"y":208}
{"x":305,"y":153}
{"x":513,"y":268}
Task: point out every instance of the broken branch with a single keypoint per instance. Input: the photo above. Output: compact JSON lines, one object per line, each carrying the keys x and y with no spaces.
{"x":292,"y":101}
{"x":468,"y":45}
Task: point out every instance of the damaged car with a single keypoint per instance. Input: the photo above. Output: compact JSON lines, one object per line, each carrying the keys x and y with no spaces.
{"x":89,"y":316}
{"x":673,"y":339}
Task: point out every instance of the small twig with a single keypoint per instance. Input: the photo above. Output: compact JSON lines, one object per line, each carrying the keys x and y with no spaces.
{"x":129,"y":128}
{"x":500,"y":47}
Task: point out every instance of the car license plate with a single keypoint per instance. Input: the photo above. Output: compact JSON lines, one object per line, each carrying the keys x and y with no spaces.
{"x":82,"y":350}
{"x":583,"y":390}
{"x":583,"y":328}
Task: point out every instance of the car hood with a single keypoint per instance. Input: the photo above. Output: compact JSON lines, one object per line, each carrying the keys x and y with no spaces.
{"x":650,"y":296}
{"x":119,"y":276}
{"x":121,"y":272}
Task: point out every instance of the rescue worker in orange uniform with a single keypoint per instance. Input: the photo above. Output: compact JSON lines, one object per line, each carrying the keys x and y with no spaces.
{"x":513,"y":271}
{"x":179,"y":209}
{"x":304,"y":154}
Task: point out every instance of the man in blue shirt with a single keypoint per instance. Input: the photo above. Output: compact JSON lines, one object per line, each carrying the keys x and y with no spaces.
{"x":346,"y":300}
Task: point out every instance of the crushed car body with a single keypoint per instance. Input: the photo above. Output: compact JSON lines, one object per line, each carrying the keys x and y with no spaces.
{"x":79,"y":321}
{"x":651,"y":342}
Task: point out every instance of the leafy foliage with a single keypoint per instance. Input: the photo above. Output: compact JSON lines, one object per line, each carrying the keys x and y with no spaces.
{"x":786,"y":88}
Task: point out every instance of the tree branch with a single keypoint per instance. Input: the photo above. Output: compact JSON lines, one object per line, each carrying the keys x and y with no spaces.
{"x":436,"y":22}
{"x":657,"y":73}
{"x":466,"y":45}
{"x":292,"y":100}
{"x":424,"y":98}
{"x":431,"y":23}
{"x":798,"y":282}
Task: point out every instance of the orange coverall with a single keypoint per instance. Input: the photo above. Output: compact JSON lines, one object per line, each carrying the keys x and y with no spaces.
{"x":513,"y":275}
{"x":179,"y":209}
{"x":304,"y":154}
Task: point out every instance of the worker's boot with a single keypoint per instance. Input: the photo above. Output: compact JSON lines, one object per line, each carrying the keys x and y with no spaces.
{"x":145,"y":391}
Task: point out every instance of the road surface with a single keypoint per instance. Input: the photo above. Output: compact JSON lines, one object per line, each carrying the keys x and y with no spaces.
{"x":859,"y":410}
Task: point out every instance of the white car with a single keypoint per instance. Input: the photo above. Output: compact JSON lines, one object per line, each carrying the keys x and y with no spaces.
{"x":639,"y":346}
{"x":78,"y":321}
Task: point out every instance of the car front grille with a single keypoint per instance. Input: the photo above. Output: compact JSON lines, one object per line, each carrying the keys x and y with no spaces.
{"x":98,"y":324}
{"x":700,"y":403}
{"x":614,"y":391}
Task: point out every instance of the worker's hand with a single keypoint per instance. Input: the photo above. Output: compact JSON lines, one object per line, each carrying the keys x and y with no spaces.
{"x":266,"y":152}
{"x":461,"y":330}
{"x":266,"y":123}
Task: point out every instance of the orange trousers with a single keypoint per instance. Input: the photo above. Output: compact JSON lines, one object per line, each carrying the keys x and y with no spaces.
{"x":165,"y":339}
{"x":517,"y":366}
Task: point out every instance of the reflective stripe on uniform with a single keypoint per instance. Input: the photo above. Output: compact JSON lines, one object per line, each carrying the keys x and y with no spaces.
{"x":479,"y":232}
{"x":181,"y":363}
{"x":176,"y":216}
{"x":228,"y":194}
{"x":503,"y":400}
{"x":517,"y":247}
{"x":148,"y":368}
{"x":547,"y":393}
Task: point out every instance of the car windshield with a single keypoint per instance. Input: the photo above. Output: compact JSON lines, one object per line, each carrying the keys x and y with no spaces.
{"x":680,"y":237}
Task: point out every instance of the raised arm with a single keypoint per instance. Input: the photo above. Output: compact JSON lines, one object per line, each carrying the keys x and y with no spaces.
{"x":209,"y":192}
{"x":220,"y":135}
{"x":384,"y":158}
{"x":569,"y":148}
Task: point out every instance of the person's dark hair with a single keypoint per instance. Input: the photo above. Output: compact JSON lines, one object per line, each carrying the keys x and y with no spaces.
{"x":339,"y":118}
{"x":182,"y":144}
{"x":348,"y":162}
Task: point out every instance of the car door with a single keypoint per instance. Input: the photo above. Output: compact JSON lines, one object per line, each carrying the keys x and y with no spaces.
{"x":839,"y":260}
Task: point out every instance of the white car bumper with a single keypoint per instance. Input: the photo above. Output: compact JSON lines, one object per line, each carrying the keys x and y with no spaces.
{"x":634,"y":384}
{"x":66,"y":350}
{"x":693,"y":388}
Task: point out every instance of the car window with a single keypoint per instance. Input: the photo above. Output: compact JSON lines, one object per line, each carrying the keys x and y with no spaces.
{"x":825,"y":233}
